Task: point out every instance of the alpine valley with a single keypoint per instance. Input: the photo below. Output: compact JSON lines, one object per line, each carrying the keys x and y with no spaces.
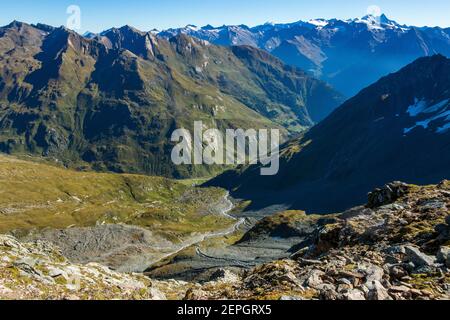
{"x":92,"y":207}
{"x":111,"y":103}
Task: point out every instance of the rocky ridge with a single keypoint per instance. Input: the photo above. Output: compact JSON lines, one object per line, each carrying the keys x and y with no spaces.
{"x":37,"y":270}
{"x":397,"y":247}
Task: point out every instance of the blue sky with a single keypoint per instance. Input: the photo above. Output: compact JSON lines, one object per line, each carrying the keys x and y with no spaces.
{"x":98,"y":15}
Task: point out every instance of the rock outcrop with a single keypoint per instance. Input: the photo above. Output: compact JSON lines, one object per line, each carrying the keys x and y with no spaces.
{"x":37,"y":270}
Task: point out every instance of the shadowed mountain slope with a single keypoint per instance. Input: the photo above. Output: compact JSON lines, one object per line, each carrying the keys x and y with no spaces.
{"x":396,"y":129}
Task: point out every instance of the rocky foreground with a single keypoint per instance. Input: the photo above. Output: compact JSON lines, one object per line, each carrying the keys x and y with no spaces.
{"x":37,"y":270}
{"x":396,"y":247}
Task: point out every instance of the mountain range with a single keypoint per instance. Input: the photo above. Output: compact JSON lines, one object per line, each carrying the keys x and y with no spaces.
{"x":397,"y":129}
{"x":112,"y":102}
{"x":344,"y":219}
{"x":348,"y":54}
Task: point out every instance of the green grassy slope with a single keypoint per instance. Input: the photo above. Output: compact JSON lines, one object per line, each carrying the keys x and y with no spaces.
{"x":37,"y":195}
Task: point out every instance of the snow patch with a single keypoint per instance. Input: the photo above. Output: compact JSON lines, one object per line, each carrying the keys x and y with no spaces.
{"x":319,"y":22}
{"x":425,"y":123}
{"x":421,"y":106}
{"x":436,"y":107}
{"x":417,"y":108}
{"x":444,"y":128}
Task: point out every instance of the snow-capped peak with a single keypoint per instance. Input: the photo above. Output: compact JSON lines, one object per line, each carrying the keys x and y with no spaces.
{"x":381,"y":22}
{"x":319,"y":22}
{"x":192,"y":27}
{"x":208,"y":27}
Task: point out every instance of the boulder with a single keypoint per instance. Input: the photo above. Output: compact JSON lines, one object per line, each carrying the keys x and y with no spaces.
{"x":314,"y":278}
{"x":224,"y":276}
{"x":354,"y":294}
{"x":44,"y":274}
{"x":372,"y":272}
{"x":55,"y":272}
{"x":418,"y":258}
{"x":397,"y":272}
{"x":378,"y":292}
{"x":399,"y":289}
{"x":395,"y":250}
{"x":390,"y":259}
{"x":443,"y":256}
{"x":328,"y":292}
{"x":387,"y":195}
{"x":344,"y":285}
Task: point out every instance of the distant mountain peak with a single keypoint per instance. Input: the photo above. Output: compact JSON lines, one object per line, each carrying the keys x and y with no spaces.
{"x":90,"y":35}
{"x":208,"y":27}
{"x":44,"y":27}
{"x":381,"y":22}
{"x":383,"y":17}
{"x":378,"y":45}
{"x":319,"y":22}
{"x":192,"y":27}
{"x":19,"y":25}
{"x":16,"y":24}
{"x":128,"y":28}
